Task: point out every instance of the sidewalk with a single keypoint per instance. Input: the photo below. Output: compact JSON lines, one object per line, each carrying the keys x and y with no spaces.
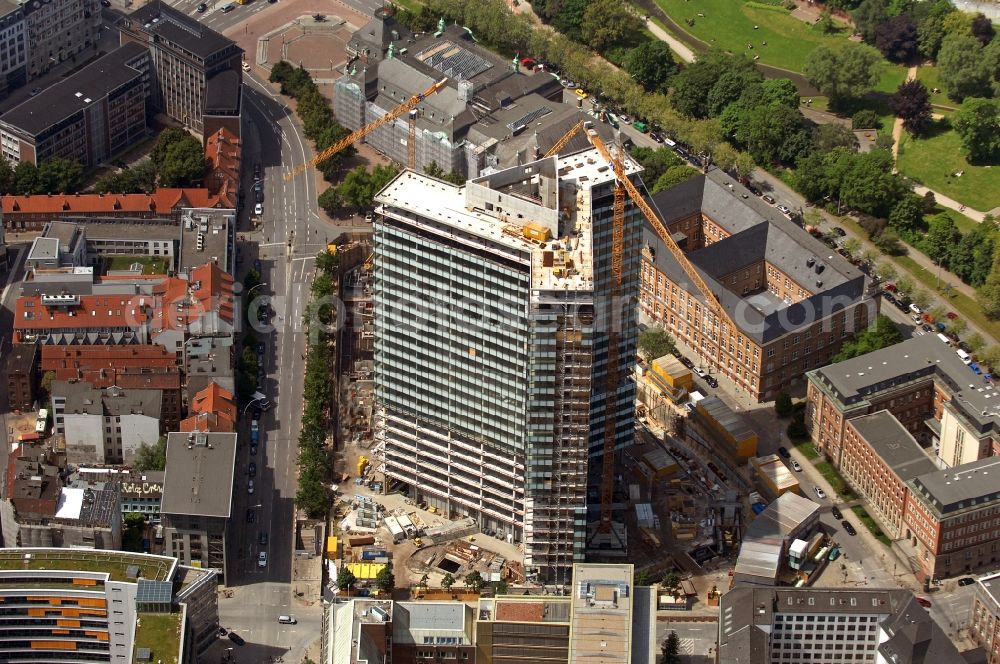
{"x":677,"y":46}
{"x":897,"y":124}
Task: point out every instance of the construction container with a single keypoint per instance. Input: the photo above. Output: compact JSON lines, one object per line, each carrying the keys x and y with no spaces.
{"x":397,"y":532}
{"x":537,"y":232}
{"x":672,"y":372}
{"x":361,"y":541}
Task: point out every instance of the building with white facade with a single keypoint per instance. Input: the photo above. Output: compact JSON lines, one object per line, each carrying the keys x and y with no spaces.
{"x":493,"y":309}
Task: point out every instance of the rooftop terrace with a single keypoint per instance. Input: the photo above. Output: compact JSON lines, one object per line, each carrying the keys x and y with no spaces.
{"x":160,"y":633}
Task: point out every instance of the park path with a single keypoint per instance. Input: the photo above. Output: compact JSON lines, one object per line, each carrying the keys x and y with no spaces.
{"x":676,"y":45}
{"x":897,"y":124}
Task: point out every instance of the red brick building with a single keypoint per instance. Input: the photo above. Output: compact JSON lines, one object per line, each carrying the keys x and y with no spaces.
{"x":21,"y":376}
{"x":792,"y":300}
{"x":984,"y":621}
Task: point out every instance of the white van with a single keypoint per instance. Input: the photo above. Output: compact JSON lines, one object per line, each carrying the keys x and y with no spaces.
{"x":964,"y":356}
{"x":287,"y":620}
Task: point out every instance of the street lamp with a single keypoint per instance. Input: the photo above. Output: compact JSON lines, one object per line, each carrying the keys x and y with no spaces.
{"x":252,"y":403}
{"x":256,"y":287}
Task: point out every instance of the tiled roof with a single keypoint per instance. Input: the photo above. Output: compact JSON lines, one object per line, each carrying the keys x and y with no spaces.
{"x":182,"y":303}
{"x":222,"y":149}
{"x":212,"y":409}
{"x":94,"y":311}
{"x":162,"y":201}
{"x":72,"y":361}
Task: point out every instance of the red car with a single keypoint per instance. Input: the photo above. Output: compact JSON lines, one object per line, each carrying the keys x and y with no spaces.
{"x":952,"y":315}
{"x":890,"y":287}
{"x":923,"y":602}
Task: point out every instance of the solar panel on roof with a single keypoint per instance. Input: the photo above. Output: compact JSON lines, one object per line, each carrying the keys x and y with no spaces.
{"x":455,"y":62}
{"x":527,"y":119}
{"x":132,"y":571}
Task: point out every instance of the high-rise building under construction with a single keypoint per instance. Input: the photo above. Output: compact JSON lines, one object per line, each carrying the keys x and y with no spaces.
{"x":493,"y":307}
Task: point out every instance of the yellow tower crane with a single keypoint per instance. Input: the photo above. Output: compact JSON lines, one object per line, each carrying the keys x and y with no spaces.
{"x":358,"y":134}
{"x":624,"y":186}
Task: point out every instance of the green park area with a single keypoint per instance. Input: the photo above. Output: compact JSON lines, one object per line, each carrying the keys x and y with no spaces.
{"x":935,"y":160}
{"x":732,"y":24}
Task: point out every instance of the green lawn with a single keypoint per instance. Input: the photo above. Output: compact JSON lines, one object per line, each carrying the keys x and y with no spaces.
{"x":808,"y":449}
{"x":161,"y":633}
{"x":150,"y":264}
{"x":871,"y":525}
{"x":114,"y":563}
{"x":928,"y":75}
{"x":836,"y":481}
{"x":730,"y":25}
{"x":892,"y":77}
{"x":932,"y":161}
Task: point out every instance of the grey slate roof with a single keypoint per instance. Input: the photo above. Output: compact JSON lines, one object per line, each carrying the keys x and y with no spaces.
{"x":893,"y":443}
{"x":780,"y":242}
{"x":75,"y":93}
{"x":168,"y":24}
{"x":953,"y":489}
{"x":83,"y":398}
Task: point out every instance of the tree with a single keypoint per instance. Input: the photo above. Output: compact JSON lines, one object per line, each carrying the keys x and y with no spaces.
{"x":330,"y":200}
{"x":654,"y":343}
{"x":346,"y":579}
{"x":693,"y":84}
{"x":179,"y":158}
{"x":975,"y":342}
{"x":977,"y":123}
{"x":655,"y":161}
{"x":672,"y":649}
{"x":912,"y":103}
{"x":930,"y":34}
{"x":26,"y":180}
{"x":59,"y":176}
{"x":845,"y":72}
{"x":826,"y":137}
{"x":868,"y":16}
{"x":773,"y":134}
{"x":672,"y":176}
{"x":432,"y":169}
{"x":140,"y":178}
{"x":500,"y":587}
{"x":866,"y":118}
{"x":941,"y":239}
{"x":881,"y":334}
{"x":887,"y":271}
{"x":888,"y":241}
{"x":869,"y":185}
{"x":957,"y":326}
{"x":963,"y":70}
{"x":988,"y":294}
{"x":982,"y":29}
{"x":280,"y":71}
{"x":897,"y":38}
{"x":972,"y":258}
{"x":651,"y":64}
{"x":743,"y":165}
{"x":670,"y":580}
{"x":151,"y":457}
{"x":906,"y":214}
{"x":474,"y":581}
{"x":385,"y":580}
{"x":921,"y":298}
{"x":783,"y":405}
{"x":608,"y":22}
{"x":569,"y":18}
{"x":825,"y":23}
{"x":447,"y":581}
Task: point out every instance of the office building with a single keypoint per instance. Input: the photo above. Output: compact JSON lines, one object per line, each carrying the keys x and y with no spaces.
{"x":938,"y":398}
{"x":498,"y":412}
{"x":63,"y":605}
{"x":805,"y":625}
{"x":984,"y":620}
{"x":485,"y":101}
{"x":793,"y":301}
{"x":13,"y":46}
{"x":60,"y":30}
{"x":21,"y":376}
{"x":190,"y":63}
{"x":96,"y":113}
{"x":198,"y":498}
{"x":42,"y":507}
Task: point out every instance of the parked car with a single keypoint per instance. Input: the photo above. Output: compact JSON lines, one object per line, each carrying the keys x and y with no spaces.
{"x":819,"y":492}
{"x":783,"y":209}
{"x":258,"y":208}
{"x":250,"y":487}
{"x":252,"y":469}
{"x":287,"y":620}
{"x":837,"y":230}
{"x":258,"y":196}
{"x":262,"y":559}
{"x":236,"y":638}
{"x":784,"y":453}
{"x":262,"y":539}
{"x":849,"y":527}
{"x":767,"y":199}
{"x":711,"y":381}
{"x":581,"y":93}
{"x":245,"y":65}
{"x":251,"y":515}
{"x":253,"y":449}
{"x":837,"y":514}
{"x":915,"y":309}
{"x":701,"y":372}
{"x":924,"y":602}
{"x":686,"y":362}
{"x":966,"y":581}
{"x":257,"y":266}
{"x":796,"y":466}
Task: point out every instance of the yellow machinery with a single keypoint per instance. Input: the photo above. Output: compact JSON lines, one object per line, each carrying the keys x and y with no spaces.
{"x":362,"y":464}
{"x":624,"y":186}
{"x":408,"y":105}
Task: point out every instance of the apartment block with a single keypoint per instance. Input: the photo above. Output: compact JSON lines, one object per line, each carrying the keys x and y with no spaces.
{"x":190,"y":63}
{"x":89,"y":117}
{"x":432,"y":632}
{"x":984,"y":620}
{"x":806,"y":625}
{"x":81,"y":605}
{"x":107,"y":425}
{"x":493,"y":311}
{"x":21,"y":376}
{"x":42,"y":507}
{"x":60,"y":30}
{"x":211,"y":409}
{"x":31,"y":213}
{"x":792,"y":301}
{"x":13,"y":46}
{"x":198,"y":498}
